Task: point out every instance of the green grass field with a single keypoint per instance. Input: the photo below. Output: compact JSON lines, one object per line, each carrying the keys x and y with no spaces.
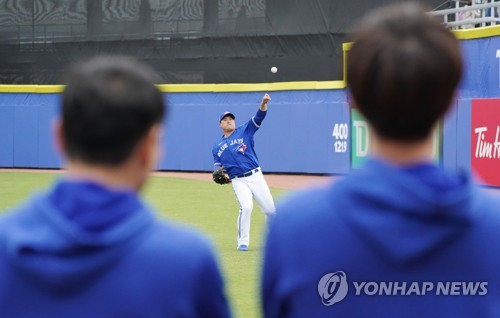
{"x":205,"y":205}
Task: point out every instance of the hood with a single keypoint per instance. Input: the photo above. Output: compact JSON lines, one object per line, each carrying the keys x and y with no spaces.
{"x":407,"y":213}
{"x":76,"y":232}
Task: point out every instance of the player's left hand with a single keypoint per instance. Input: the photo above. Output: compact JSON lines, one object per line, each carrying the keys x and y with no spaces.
{"x":219,"y":176}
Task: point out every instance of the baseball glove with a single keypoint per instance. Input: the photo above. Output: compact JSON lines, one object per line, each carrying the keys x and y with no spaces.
{"x":220,"y":176}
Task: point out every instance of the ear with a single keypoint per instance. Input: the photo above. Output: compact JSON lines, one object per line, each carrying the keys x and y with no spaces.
{"x":58,"y":136}
{"x":150,"y":147}
{"x":352,"y":103}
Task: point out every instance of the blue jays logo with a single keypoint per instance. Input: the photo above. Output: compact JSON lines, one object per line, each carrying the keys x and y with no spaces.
{"x":241,"y":149}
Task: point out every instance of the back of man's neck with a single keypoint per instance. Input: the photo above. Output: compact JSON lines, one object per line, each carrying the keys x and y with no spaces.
{"x":403,"y":153}
{"x":110,"y":177}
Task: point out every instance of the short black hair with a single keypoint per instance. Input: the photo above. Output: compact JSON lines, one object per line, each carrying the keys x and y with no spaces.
{"x":108,"y":105}
{"x":403,"y":70}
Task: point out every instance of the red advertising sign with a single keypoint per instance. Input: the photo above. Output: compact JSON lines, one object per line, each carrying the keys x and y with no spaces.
{"x":485,"y":140}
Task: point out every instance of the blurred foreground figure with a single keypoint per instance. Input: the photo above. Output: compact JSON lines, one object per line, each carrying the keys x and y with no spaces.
{"x":398,"y":237}
{"x":89,"y":246}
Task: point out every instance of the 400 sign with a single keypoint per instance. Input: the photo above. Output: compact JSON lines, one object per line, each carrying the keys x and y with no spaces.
{"x":340,"y":133}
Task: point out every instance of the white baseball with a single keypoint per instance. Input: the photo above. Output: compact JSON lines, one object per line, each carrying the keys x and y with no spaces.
{"x":274,"y":69}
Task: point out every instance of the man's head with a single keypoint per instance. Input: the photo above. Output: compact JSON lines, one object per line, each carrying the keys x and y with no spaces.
{"x":109,"y":107}
{"x":402,"y":71}
{"x":226,"y":122}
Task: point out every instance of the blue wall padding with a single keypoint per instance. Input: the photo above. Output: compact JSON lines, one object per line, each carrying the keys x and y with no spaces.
{"x":457,"y":137}
{"x":26,"y":136}
{"x":6,"y":134}
{"x":481,"y":68}
{"x":25,"y":126}
{"x":464,"y":124}
{"x":449,"y":154}
{"x":296,"y":135}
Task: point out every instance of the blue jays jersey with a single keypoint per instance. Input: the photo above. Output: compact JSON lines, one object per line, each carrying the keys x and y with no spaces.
{"x":236,"y":152}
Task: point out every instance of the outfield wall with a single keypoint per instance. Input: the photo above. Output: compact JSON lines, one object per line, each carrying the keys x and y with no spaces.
{"x":296,"y":136}
{"x":306,"y":131}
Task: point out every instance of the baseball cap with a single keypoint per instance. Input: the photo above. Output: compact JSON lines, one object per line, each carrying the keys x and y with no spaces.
{"x":224,"y":114}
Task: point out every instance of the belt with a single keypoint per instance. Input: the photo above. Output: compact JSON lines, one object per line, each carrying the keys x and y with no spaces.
{"x":247,"y":174}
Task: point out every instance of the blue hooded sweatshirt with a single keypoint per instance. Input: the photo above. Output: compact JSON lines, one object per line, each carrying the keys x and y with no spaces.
{"x":386,"y":242}
{"x":83,"y":250}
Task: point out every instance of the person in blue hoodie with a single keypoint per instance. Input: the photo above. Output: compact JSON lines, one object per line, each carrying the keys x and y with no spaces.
{"x":399,"y":237}
{"x":89,"y":246}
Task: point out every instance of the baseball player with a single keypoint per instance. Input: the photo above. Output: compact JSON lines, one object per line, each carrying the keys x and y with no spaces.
{"x":234,"y":153}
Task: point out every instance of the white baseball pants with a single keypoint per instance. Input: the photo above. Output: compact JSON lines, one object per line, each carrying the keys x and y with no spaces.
{"x":245,"y":189}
